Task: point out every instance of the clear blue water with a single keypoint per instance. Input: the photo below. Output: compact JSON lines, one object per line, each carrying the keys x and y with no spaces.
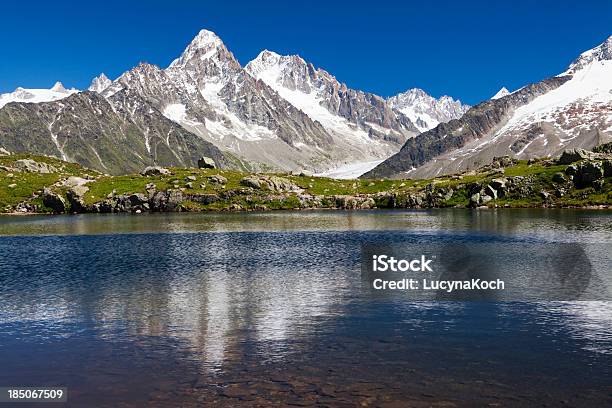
{"x":268,"y":309}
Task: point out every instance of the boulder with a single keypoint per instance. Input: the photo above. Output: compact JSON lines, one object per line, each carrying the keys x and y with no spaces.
{"x":607,"y":166}
{"x":155,"y":171}
{"x":272,"y":183}
{"x":138,"y":199}
{"x":191,"y":178}
{"x":346,"y":202}
{"x":151,"y":189}
{"x":485,"y":199}
{"x":4,"y":152}
{"x":170,"y":200}
{"x":604,"y":148}
{"x":281,"y":184}
{"x":499,"y":184}
{"x":474,"y":200}
{"x":74,"y":181}
{"x":31,"y":166}
{"x":105,"y":206}
{"x":449,"y":194}
{"x":217,"y":179}
{"x":76,"y":198}
{"x":599,"y":184}
{"x":251,"y":181}
{"x":587,"y":173}
{"x":490,"y":191}
{"x":53,"y":201}
{"x":368,"y":203}
{"x":559,"y":178}
{"x":206,"y":163}
{"x":158,"y":201}
{"x":175,"y":199}
{"x":204,"y":199}
{"x":571,"y":170}
{"x":503,"y":161}
{"x":573,"y":155}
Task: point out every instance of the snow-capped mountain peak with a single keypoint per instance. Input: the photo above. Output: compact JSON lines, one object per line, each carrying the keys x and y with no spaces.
{"x":501,"y":93}
{"x":204,"y":45}
{"x":59,"y":87}
{"x":100,"y":83}
{"x":205,"y":39}
{"x":56,"y":92}
{"x":603,"y":52}
{"x":425,"y":111}
{"x":341,"y":110}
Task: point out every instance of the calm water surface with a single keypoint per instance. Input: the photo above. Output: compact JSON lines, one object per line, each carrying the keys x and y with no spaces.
{"x":266,"y":309}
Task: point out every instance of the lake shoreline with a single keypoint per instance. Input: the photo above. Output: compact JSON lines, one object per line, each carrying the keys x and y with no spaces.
{"x":38,"y":184}
{"x":280,"y":210}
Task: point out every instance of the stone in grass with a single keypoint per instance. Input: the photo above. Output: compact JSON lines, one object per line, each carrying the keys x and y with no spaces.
{"x":217,"y":179}
{"x":206,"y":163}
{"x":559,"y":178}
{"x":155,"y":171}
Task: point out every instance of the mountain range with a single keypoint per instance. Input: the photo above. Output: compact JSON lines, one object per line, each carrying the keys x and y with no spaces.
{"x":275,"y":113}
{"x":281,"y":113}
{"x":570,"y":110}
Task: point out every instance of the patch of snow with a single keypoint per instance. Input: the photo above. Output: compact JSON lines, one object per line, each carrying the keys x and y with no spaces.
{"x":591,"y":85}
{"x":501,"y":93}
{"x":56,"y":93}
{"x":418,"y":118}
{"x":100,"y":83}
{"x":310,"y":104}
{"x":175,"y":112}
{"x":350,"y":170}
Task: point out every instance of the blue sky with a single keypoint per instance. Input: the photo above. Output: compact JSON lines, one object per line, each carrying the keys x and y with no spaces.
{"x":464,"y":49}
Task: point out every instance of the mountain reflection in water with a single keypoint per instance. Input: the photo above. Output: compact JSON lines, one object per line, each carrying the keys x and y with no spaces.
{"x":273,"y":302}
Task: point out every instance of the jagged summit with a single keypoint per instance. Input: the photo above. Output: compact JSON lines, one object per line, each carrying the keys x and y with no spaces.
{"x":205,"y":38}
{"x":204,"y":45}
{"x":100,"y":83}
{"x":290,"y":70}
{"x":342,"y":111}
{"x":424,"y":110}
{"x":501,"y":93}
{"x":58,"y":87}
{"x":603,"y":52}
{"x":570,"y":110}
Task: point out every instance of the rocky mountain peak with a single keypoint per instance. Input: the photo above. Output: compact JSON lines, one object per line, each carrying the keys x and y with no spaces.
{"x":271,"y":63}
{"x":100,"y":83}
{"x":501,"y":93}
{"x":59,"y":87}
{"x":205,"y":39}
{"x":603,"y":52}
{"x":205,"y":45}
{"x":424,"y":110}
